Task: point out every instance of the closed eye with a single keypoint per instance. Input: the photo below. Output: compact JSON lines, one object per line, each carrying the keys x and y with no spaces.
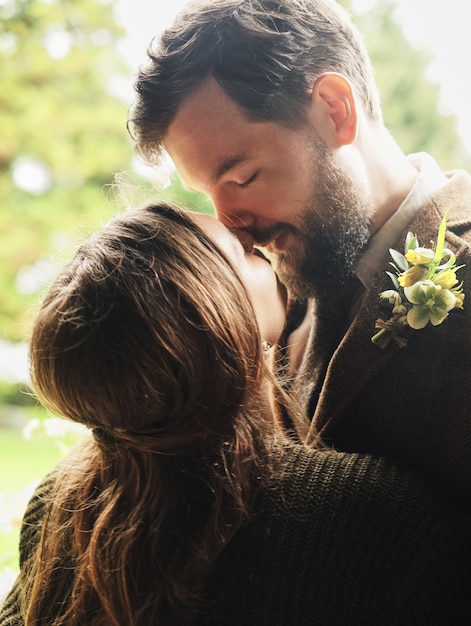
{"x":248,"y":181}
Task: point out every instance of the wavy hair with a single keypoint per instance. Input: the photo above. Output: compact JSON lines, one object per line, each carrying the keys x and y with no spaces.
{"x":265,"y":54}
{"x":148,"y":337}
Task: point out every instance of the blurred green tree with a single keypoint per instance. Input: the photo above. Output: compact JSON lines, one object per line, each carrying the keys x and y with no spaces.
{"x":411,"y":103}
{"x":62,"y":137}
{"x":63,"y":134}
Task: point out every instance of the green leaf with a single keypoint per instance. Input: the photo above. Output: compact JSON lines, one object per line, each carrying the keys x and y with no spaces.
{"x":399,"y":260}
{"x":441,"y":239}
{"x":411,"y":242}
{"x":446,"y":252}
{"x":393,"y":278}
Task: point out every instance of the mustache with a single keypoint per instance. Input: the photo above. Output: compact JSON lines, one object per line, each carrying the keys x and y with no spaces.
{"x":263,"y":236}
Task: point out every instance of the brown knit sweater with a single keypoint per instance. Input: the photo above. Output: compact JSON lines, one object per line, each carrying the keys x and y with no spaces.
{"x":342,"y":539}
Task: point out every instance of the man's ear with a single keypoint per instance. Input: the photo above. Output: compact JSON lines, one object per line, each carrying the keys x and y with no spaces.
{"x":332,"y":110}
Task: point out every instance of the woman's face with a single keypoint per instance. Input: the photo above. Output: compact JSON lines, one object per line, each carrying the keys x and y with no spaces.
{"x":267,"y":294}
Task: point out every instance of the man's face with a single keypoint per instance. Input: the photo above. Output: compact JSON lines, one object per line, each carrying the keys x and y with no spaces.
{"x":275,"y":187}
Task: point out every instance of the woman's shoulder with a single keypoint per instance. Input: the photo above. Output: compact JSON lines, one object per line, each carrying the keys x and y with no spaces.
{"x":41,"y":500}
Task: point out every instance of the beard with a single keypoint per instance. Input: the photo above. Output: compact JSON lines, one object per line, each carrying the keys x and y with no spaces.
{"x":333,"y":232}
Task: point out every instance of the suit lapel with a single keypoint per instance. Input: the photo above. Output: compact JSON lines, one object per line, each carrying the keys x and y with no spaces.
{"x":356,"y":361}
{"x":329,"y":324}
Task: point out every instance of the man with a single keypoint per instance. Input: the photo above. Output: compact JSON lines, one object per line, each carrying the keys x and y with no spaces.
{"x":271,"y":109}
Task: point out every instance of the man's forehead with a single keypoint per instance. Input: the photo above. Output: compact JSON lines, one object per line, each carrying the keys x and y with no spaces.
{"x":208,"y":137}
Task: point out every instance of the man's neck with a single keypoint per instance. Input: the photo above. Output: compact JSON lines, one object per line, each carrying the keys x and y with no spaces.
{"x":390,"y":174}
{"x":429,"y":180}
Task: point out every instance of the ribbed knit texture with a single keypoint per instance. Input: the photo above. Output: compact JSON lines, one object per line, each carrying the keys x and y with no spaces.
{"x":346,"y":540}
{"x":10,"y":614}
{"x":341,"y":540}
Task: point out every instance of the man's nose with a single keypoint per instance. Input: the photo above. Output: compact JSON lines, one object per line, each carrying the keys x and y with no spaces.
{"x":231,"y":213}
{"x":237,"y":221}
{"x":245,"y":239}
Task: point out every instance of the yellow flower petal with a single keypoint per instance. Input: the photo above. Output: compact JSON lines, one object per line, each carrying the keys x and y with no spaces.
{"x":446,"y":279}
{"x":412,"y":275}
{"x":420,"y":256}
{"x":459,"y":299}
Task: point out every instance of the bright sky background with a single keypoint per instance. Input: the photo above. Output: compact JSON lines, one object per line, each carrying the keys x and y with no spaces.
{"x":443,"y":28}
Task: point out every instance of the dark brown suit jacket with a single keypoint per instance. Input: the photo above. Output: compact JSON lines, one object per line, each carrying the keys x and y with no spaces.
{"x":412,"y":403}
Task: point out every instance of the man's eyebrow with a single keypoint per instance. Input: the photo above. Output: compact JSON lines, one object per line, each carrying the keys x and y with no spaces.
{"x":227,"y":164}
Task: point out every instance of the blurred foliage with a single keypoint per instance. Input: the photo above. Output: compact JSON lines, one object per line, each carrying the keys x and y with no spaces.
{"x":63,"y":133}
{"x":410,"y":102}
{"x":27,"y":452}
{"x":15,"y":394}
{"x":62,"y":136}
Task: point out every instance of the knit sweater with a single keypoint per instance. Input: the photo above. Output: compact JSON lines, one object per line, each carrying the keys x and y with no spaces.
{"x":339,"y":539}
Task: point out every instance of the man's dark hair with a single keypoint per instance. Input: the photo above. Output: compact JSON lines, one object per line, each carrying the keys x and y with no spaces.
{"x":265,"y":55}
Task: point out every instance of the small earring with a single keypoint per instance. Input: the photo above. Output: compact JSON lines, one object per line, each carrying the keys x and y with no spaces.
{"x":266,"y":345}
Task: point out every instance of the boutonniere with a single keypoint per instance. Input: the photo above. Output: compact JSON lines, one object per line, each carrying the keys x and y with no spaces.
{"x":425,"y":290}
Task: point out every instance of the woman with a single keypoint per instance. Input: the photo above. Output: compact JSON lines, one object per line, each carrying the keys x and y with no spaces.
{"x":188,"y":504}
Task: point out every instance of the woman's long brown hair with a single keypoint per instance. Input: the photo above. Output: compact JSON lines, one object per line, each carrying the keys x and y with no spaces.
{"x":149,"y":338}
